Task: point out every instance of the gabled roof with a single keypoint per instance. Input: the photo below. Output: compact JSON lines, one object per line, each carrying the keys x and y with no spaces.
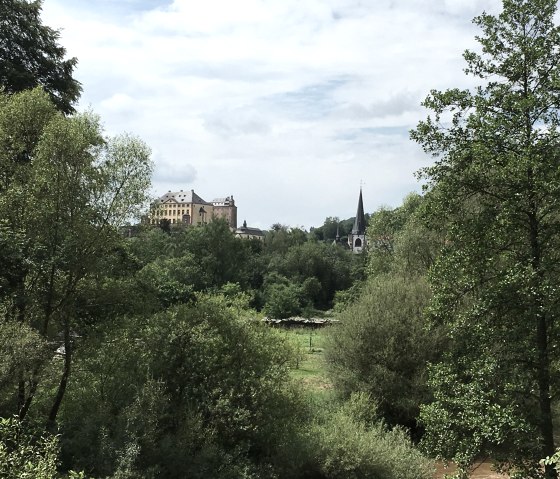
{"x":360,"y":221}
{"x":182,"y":197}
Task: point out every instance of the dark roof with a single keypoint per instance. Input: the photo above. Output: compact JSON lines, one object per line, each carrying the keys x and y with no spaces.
{"x":247,"y":230}
{"x":183,"y":197}
{"x":360,"y":221}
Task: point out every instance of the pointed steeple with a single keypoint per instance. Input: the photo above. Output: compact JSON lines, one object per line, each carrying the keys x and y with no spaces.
{"x":360,"y":221}
{"x":336,"y":240}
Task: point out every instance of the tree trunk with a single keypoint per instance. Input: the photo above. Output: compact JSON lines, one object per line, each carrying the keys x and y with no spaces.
{"x":51,"y":422}
{"x":543,"y":360}
{"x":543,"y":376}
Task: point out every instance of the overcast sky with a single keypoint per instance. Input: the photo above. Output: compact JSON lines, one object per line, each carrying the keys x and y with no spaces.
{"x":286,"y":104}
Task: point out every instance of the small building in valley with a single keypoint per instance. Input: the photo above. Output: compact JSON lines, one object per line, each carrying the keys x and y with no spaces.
{"x":248,"y":232}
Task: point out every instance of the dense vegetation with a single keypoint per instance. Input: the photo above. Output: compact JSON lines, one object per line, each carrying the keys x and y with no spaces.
{"x":476,"y":353}
{"x":287,"y":274}
{"x":31,"y":56}
{"x":146,"y":356}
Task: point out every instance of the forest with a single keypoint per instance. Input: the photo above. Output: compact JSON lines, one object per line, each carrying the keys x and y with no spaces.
{"x":146,"y":355}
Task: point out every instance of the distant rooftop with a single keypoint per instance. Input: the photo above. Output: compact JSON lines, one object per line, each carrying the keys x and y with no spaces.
{"x":183,"y":197}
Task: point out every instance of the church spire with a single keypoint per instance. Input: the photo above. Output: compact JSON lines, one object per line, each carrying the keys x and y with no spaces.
{"x":357,"y":238}
{"x":360,"y":221}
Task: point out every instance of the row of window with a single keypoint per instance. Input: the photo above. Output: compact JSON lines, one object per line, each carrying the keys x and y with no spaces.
{"x":173,"y":221}
{"x":171,"y":212}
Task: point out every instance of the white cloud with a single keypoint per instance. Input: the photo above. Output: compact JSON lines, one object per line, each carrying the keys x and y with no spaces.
{"x":287,"y":104}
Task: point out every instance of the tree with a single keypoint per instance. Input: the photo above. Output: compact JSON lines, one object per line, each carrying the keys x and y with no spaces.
{"x":64,"y":191}
{"x":22,"y":455}
{"x":385,"y":228}
{"x":332,"y":267}
{"x":381,"y":347}
{"x":495,"y":184}
{"x":199,"y":390}
{"x":30,"y":55}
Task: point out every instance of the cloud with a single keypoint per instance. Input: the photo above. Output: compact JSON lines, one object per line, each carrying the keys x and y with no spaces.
{"x":395,"y":105}
{"x":174,"y":173}
{"x":287,"y":104}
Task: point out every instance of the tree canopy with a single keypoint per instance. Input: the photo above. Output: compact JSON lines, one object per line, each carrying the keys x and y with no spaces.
{"x":64,"y":191}
{"x":30,"y":55}
{"x":495,"y":187}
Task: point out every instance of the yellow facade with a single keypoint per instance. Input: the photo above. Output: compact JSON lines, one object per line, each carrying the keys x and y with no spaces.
{"x":181,"y":207}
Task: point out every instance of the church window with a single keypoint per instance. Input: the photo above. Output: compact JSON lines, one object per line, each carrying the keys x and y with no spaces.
{"x":358,"y":243}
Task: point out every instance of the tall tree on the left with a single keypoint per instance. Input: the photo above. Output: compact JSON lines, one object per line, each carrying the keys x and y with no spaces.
{"x":64,"y":191}
{"x":30,"y":55}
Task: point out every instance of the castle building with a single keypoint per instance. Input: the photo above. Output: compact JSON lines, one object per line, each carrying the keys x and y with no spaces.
{"x":357,"y":238}
{"x":225,"y":208}
{"x":187,"y":208}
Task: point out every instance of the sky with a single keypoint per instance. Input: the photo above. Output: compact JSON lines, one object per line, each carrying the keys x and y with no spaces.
{"x":288,"y":105}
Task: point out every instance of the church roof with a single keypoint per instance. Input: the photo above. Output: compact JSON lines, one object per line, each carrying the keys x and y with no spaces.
{"x":359,"y":227}
{"x":247,"y":230}
{"x":182,"y":197}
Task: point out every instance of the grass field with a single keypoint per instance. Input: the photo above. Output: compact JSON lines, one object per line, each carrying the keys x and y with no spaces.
{"x":310,"y":369}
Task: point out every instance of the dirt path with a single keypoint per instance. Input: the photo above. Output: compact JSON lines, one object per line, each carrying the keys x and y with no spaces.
{"x":483,"y":471}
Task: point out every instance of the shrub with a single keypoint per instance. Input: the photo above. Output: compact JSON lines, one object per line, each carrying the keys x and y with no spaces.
{"x":197,"y":391}
{"x":352,"y":444}
{"x":381,"y":347}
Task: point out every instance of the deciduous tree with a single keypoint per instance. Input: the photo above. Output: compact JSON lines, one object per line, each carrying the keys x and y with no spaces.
{"x":65,"y":190}
{"x":495,"y":184}
{"x":30,"y":55}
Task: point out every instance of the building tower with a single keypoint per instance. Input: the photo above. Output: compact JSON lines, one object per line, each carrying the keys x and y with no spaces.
{"x":225,"y":208}
{"x":357,"y":238}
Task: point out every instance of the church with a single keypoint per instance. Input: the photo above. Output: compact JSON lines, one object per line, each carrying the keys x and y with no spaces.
{"x":357,"y":238}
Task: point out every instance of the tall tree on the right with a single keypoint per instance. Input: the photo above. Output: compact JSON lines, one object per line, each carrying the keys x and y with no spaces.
{"x":495,"y":185}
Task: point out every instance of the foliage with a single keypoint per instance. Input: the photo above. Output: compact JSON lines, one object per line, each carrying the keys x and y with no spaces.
{"x":398,"y":241}
{"x":22,"y":350}
{"x":27,"y":456}
{"x":381,"y":347}
{"x":553,"y":460}
{"x":30,"y":55}
{"x":353,"y":444}
{"x":280,"y":238}
{"x":495,"y":188}
{"x":307,"y":275}
{"x":283,"y":299}
{"x":23,"y":457}
{"x":284,"y":276}
{"x":64,"y":191}
{"x":199,"y":390}
{"x":200,"y":258}
{"x":327,"y":231}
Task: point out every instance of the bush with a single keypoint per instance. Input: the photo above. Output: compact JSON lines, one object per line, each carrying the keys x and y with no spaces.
{"x":282,"y":300}
{"x":22,"y":455}
{"x":352,"y":444}
{"x":381,"y":347}
{"x":196,"y":391}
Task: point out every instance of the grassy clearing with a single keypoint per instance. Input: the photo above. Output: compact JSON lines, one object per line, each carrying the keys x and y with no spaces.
{"x":310,"y":367}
